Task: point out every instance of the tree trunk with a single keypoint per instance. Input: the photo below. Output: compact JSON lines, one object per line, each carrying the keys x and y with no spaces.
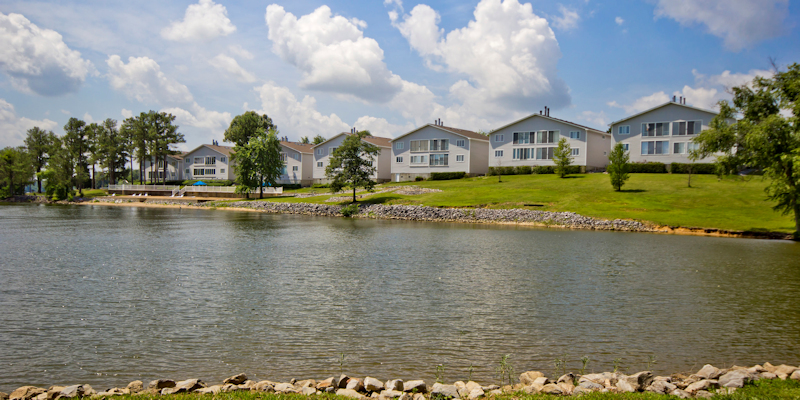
{"x":39,"y":179}
{"x":131,"y":167}
{"x":141,"y":169}
{"x":354,"y":194}
{"x":165,"y":170}
{"x":260,"y":189}
{"x":797,"y":221}
{"x":94,"y":182}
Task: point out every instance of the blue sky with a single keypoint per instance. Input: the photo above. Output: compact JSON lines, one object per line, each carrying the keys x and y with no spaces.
{"x":321,"y":67}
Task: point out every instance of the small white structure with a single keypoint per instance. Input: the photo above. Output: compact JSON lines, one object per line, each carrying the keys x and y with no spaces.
{"x":438,"y":148}
{"x":154,"y":171}
{"x":532,"y":140}
{"x":298,"y":160}
{"x":663,"y":133}
{"x":208,"y":162}
{"x":323,"y":151}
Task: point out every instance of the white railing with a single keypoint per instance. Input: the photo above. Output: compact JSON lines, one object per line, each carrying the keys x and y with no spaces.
{"x":227,"y":189}
{"x":143,"y":187}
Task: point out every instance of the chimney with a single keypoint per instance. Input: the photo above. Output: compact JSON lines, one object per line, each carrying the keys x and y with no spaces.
{"x":684,"y":100}
{"x":673,"y":99}
{"x":540,"y":112}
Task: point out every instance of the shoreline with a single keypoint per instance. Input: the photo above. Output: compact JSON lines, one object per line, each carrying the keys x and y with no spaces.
{"x":514,"y":216}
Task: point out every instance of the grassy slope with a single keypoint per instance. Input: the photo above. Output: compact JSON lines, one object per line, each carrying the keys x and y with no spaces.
{"x":732,"y":203}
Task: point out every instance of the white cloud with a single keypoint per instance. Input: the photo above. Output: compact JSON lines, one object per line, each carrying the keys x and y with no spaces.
{"x":508,"y":54}
{"x":143,"y":80}
{"x":88,"y":118}
{"x":597,"y":119}
{"x":66,"y":112}
{"x":126,"y":113}
{"x":230,"y":66}
{"x":13,"y":128}
{"x":202,"y":22}
{"x":740,"y":23}
{"x":382,"y":127}
{"x":37,"y":60}
{"x":200,"y":117}
{"x":619,"y":21}
{"x":568,"y":20}
{"x":728,"y":80}
{"x":642,"y":103}
{"x":397,"y":3}
{"x":299,"y":118}
{"x":240,"y":51}
{"x":332,"y":53}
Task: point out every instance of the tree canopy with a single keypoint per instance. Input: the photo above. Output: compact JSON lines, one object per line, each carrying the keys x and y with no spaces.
{"x":618,"y":166}
{"x":352,"y":164}
{"x":562,"y":157}
{"x":38,"y":142}
{"x":761,"y":130}
{"x":247,"y":125}
{"x":318,"y":139}
{"x":16,"y":170}
{"x":258,"y":162}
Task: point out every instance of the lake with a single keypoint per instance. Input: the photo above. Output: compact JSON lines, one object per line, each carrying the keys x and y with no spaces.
{"x":106,"y":295}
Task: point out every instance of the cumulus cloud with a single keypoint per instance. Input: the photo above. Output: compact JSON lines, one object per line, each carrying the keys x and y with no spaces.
{"x":642,"y":103}
{"x":619,"y":21}
{"x":740,"y":23}
{"x":228,"y":65}
{"x":568,"y":20}
{"x":240,"y":51}
{"x":382,"y":127}
{"x":141,"y":78}
{"x":37,"y":60}
{"x":126,"y":113}
{"x":508,"y":54}
{"x":202,"y":22}
{"x":332,"y":53}
{"x":299,"y":117}
{"x":199,"y":117}
{"x":13,"y":128}
{"x":597,"y":119}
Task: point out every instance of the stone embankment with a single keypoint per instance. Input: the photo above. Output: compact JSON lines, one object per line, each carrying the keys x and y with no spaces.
{"x":705,"y":383}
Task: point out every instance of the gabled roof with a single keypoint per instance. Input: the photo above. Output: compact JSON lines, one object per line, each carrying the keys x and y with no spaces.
{"x":663,"y":105}
{"x":376,"y":140}
{"x":460,"y":132}
{"x":300,"y":147}
{"x":225,"y":150}
{"x":563,"y":121}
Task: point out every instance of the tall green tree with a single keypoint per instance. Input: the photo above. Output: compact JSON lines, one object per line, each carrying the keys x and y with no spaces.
{"x":247,"y":125}
{"x":59,"y":173}
{"x":258,"y":162}
{"x":305,"y":140}
{"x":763,"y":137}
{"x":135,"y":130}
{"x":112,"y":149}
{"x":163,"y":134}
{"x":562,"y":157}
{"x":317,"y":140}
{"x":38,"y":143}
{"x":77,"y":144}
{"x":93,"y":133}
{"x":352,"y":164}
{"x":618,"y":166}
{"x":16,"y":170}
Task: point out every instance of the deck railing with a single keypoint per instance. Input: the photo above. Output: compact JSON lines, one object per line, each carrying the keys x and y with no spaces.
{"x":143,"y":187}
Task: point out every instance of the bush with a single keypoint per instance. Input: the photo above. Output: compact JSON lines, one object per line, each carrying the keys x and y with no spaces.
{"x":291,"y":186}
{"x":208,"y":182}
{"x":419,"y":179}
{"x":444,"y":176}
{"x":648,"y":168}
{"x":349,"y":210}
{"x":320,"y":186}
{"x":703,"y":169}
{"x":524,"y":170}
{"x":544,"y":169}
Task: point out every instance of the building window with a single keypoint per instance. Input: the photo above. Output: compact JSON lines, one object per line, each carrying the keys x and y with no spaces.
{"x":499,"y":138}
{"x":655,"y":129}
{"x":331,"y":150}
{"x":283,"y":157}
{"x":222,"y":170}
{"x":319,"y":164}
{"x":187,"y":171}
{"x":624,"y":130}
{"x":684,"y":147}
{"x":461,"y":142}
{"x":160,"y":163}
{"x":547,"y":137}
{"x":545,"y":153}
{"x":320,"y":151}
{"x":187,"y":162}
{"x":576,"y":152}
{"x":440,"y":144}
{"x":460,"y":158}
{"x":498,"y":153}
{"x":521,"y":138}
{"x":199,"y":160}
{"x":223,"y":159}
{"x":626,"y":147}
{"x":655,"y":147}
{"x":296,"y":156}
{"x":283,"y":170}
{"x":574,"y":134}
{"x":419,"y":145}
{"x":399,"y":145}
{"x":210,"y":160}
{"x":398,"y":159}
{"x":419,"y":159}
{"x":294,"y":168}
{"x":521,"y":154}
{"x":688,"y":127}
{"x":211,"y":171}
{"x":198,"y":172}
{"x":438,"y":160}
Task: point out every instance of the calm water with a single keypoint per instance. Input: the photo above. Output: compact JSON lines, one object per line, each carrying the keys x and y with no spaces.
{"x":106,"y":295}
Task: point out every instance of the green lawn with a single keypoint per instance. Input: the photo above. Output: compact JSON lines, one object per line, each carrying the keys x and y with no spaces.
{"x":733,"y":203}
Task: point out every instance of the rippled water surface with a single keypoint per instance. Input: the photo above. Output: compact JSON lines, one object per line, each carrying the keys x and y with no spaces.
{"x":106,"y":295}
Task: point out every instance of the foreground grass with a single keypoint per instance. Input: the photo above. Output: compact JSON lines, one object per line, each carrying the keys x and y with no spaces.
{"x":733,"y":203}
{"x":762,"y":390}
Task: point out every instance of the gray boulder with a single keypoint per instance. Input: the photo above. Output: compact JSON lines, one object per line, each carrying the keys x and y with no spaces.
{"x":213,"y":389}
{"x":3,"y":396}
{"x":327,"y":383}
{"x":135,"y":387}
{"x":161,"y":384}
{"x":415,"y":386}
{"x":341,"y":382}
{"x":568,"y":377}
{"x":527,"y":378}
{"x":795,"y":375}
{"x":372,"y":385}
{"x":306,"y":383}
{"x":26,"y":393}
{"x":625,"y":387}
{"x":355,"y":384}
{"x":394,"y":384}
{"x":350,"y":393}
{"x":285,"y":388}
{"x":307,"y":390}
{"x":476,"y":393}
{"x":391,"y":394}
{"x":539,"y":382}
{"x":236,"y":379}
{"x":661,"y":387}
{"x":447,"y":391}
{"x":709,"y":372}
{"x":735,"y":379}
{"x":681,"y":393}
{"x":552,"y":388}
{"x":264,"y":386}
{"x":72,"y":391}
{"x":702,"y":394}
{"x":705,"y":384}
{"x":590,"y":385}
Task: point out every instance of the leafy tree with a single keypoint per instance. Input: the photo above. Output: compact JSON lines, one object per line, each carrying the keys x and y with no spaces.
{"x":618,"y":166}
{"x":38,"y":143}
{"x":134,"y":129}
{"x":162,"y":134}
{"x":763,"y":138}
{"x":304,"y":140}
{"x":16,"y":170}
{"x":77,"y":145}
{"x":318,"y":139}
{"x":111,"y":148}
{"x":258,"y":162}
{"x":247,"y":125}
{"x":93,"y":132}
{"x":352,"y":164}
{"x":562,"y":157}
{"x":59,"y":171}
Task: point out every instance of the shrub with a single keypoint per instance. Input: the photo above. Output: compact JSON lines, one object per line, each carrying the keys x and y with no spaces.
{"x":349,"y":210}
{"x":648,"y":168}
{"x":544,"y":169}
{"x":290,"y":186}
{"x":419,"y":179}
{"x":208,"y":182}
{"x":524,"y":170}
{"x":704,"y":169}
{"x":444,"y":176}
{"x":320,"y":186}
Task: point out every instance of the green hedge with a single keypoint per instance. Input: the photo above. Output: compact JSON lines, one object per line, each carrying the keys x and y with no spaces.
{"x":648,"y":168}
{"x":444,"y":176}
{"x":320,"y":186}
{"x":291,"y":186}
{"x":681,"y":168}
{"x":527,"y":169}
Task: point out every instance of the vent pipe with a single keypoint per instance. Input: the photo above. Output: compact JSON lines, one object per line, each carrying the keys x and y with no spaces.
{"x":673,"y":99}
